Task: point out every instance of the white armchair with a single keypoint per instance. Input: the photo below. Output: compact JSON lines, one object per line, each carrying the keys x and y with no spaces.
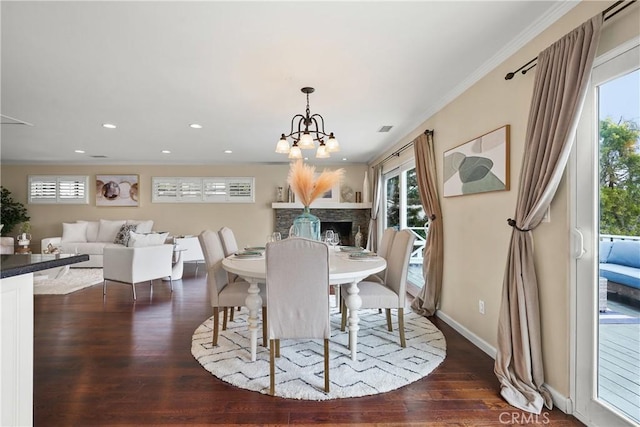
{"x":7,"y":245}
{"x":134,"y":265}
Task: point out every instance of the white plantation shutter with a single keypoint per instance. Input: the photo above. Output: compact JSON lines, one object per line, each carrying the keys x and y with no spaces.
{"x":203,"y":190}
{"x":58,"y":189}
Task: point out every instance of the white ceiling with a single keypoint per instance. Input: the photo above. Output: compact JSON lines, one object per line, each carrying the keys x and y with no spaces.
{"x":236,"y":68}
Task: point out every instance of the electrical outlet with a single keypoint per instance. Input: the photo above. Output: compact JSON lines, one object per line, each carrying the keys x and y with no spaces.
{"x":481,"y":306}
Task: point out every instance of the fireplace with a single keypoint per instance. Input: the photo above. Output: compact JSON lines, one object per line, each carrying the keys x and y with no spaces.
{"x":343,"y":228}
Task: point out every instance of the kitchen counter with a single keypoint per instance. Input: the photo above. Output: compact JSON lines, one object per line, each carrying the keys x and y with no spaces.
{"x":15,"y":265}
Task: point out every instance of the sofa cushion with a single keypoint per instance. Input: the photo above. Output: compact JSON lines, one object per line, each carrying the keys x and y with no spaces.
{"x":139,"y":240}
{"x":625,"y":252}
{"x":74,"y":232}
{"x":108,"y":230}
{"x":122,"y":238}
{"x":605,"y":249}
{"x":622,"y":274}
{"x":141,"y":225}
{"x":92,"y":230}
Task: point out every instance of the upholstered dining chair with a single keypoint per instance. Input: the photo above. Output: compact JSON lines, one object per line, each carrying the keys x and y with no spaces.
{"x":135,"y":265}
{"x":383,"y":251}
{"x":298,"y":292}
{"x":230,"y":247}
{"x":224,"y":294}
{"x":391,"y":293}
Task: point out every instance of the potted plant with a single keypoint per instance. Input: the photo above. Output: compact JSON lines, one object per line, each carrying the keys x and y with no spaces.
{"x":24,"y":238}
{"x":11,"y":212}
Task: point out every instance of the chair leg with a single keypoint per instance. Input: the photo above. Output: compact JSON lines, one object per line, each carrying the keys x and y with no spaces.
{"x":403,"y":342}
{"x":272,"y":368}
{"x":264,"y":326}
{"x":216,"y":318}
{"x":171,"y":283}
{"x":277,"y":348}
{"x":344,"y":315}
{"x":196,"y":273}
{"x":389,"y":326}
{"x":133,"y":287}
{"x":104,"y":287}
{"x":326,"y":365}
{"x":231,"y":310}
{"x":224,"y":319}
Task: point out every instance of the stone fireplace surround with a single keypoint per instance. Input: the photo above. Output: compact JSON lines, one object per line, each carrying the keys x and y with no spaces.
{"x":358,"y":216}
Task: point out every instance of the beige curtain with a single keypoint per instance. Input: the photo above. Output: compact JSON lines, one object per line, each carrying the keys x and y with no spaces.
{"x":376,"y":196}
{"x":559,"y":90}
{"x":426,"y":302}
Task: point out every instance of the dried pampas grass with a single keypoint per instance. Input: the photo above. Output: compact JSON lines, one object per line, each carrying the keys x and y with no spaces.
{"x":308,"y":188}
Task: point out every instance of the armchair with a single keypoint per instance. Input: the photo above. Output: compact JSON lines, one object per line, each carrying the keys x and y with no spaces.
{"x":135,"y":265}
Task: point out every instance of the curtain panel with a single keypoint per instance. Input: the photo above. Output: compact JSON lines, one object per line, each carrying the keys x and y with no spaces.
{"x":427,"y":300}
{"x":376,"y":196}
{"x":560,"y":87}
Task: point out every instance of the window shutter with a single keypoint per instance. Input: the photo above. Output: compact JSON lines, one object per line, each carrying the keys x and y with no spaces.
{"x":203,"y":190}
{"x":58,"y":189}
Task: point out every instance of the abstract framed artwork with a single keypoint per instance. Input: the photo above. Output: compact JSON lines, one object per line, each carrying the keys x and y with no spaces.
{"x":117,"y":190}
{"x":331,"y":196}
{"x":478,"y":166}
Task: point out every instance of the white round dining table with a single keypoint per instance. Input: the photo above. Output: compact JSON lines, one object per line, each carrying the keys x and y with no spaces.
{"x":342,"y":271}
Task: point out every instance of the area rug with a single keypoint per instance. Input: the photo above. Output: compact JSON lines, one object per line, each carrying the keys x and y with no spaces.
{"x":382,"y":364}
{"x":613,"y":317}
{"x":75,"y":279}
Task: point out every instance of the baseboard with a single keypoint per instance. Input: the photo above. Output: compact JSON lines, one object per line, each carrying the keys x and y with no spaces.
{"x":476,"y":340}
{"x":564,"y":403}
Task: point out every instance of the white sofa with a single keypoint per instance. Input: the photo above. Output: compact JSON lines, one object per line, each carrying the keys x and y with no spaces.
{"x":91,"y":237}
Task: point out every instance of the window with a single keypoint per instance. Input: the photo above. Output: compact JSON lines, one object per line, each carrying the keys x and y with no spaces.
{"x":403,"y":210}
{"x":203,"y":190}
{"x":58,"y":189}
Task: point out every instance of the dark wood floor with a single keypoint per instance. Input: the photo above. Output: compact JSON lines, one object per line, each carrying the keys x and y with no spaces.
{"x":113,"y":362}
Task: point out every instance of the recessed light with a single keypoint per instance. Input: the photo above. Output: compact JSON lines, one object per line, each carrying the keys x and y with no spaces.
{"x":306,"y":158}
{"x":344,"y":159}
{"x":79,"y":151}
{"x":228,"y":151}
{"x":109,"y":125}
{"x":166,"y":152}
{"x":195,"y":126}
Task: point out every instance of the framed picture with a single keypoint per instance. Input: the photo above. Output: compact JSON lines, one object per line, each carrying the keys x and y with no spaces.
{"x":117,"y":190}
{"x":478,"y":166}
{"x":331,"y":196}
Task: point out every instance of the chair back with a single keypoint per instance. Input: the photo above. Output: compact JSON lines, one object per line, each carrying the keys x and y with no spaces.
{"x":229,"y":244}
{"x":213,"y":253}
{"x":385,"y":243}
{"x":398,"y":263}
{"x":298,"y":289}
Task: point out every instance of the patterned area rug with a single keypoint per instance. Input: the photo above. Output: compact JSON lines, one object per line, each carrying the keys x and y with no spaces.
{"x":57,"y":281}
{"x":382,"y":364}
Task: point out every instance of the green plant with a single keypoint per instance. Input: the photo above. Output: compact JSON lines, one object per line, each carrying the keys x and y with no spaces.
{"x":11,"y":212}
{"x":25,"y":227}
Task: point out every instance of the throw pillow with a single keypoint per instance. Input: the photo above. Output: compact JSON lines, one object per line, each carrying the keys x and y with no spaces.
{"x":108,"y":230}
{"x":123,"y":235}
{"x":139,"y":240}
{"x":74,"y":232}
{"x":92,"y":230}
{"x":141,"y":226}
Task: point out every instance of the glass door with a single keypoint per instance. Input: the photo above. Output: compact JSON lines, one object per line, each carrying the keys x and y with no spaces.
{"x":607,"y":219}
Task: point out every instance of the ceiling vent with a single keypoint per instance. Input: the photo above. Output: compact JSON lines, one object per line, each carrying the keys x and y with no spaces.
{"x":6,"y":120}
{"x":385,"y":128}
{"x":99,"y":156}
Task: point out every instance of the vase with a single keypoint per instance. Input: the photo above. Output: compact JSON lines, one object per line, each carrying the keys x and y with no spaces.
{"x":307,"y":225}
{"x":365,"y":188}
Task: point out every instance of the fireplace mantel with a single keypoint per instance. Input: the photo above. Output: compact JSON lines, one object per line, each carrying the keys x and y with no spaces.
{"x":328,"y":205}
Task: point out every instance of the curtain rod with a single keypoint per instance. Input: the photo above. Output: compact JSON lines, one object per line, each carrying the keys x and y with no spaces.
{"x":526,"y":66}
{"x":403,"y":148}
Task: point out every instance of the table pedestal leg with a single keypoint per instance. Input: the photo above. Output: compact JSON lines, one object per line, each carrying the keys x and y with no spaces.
{"x":354,"y":302}
{"x":254,"y":303}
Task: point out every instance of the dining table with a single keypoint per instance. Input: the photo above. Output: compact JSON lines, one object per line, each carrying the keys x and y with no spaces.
{"x":345,"y":269}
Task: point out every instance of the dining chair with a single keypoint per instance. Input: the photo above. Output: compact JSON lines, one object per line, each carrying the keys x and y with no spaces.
{"x":224,"y":294}
{"x":391,"y":293}
{"x":383,"y":251}
{"x":297,"y":272}
{"x":230,"y":247}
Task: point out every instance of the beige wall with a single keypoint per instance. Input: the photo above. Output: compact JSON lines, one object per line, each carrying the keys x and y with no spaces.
{"x":475,"y":227}
{"x":250,"y":222}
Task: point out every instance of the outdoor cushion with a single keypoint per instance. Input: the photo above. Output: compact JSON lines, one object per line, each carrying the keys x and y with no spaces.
{"x":625,"y":252}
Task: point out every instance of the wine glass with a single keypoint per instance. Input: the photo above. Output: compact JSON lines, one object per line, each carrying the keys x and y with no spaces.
{"x":293,"y":231}
{"x":276,"y":236}
{"x":335,"y":240}
{"x":328,"y":236}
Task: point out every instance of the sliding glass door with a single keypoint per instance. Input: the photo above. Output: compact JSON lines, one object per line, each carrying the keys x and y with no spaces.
{"x":403,"y":210}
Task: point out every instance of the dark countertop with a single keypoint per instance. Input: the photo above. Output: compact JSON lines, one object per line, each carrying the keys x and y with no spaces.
{"x":15,"y":265}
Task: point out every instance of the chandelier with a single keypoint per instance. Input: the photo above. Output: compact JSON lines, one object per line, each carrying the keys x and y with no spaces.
{"x":310,"y":130}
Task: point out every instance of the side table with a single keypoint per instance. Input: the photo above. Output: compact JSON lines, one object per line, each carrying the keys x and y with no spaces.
{"x":177,"y":267}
